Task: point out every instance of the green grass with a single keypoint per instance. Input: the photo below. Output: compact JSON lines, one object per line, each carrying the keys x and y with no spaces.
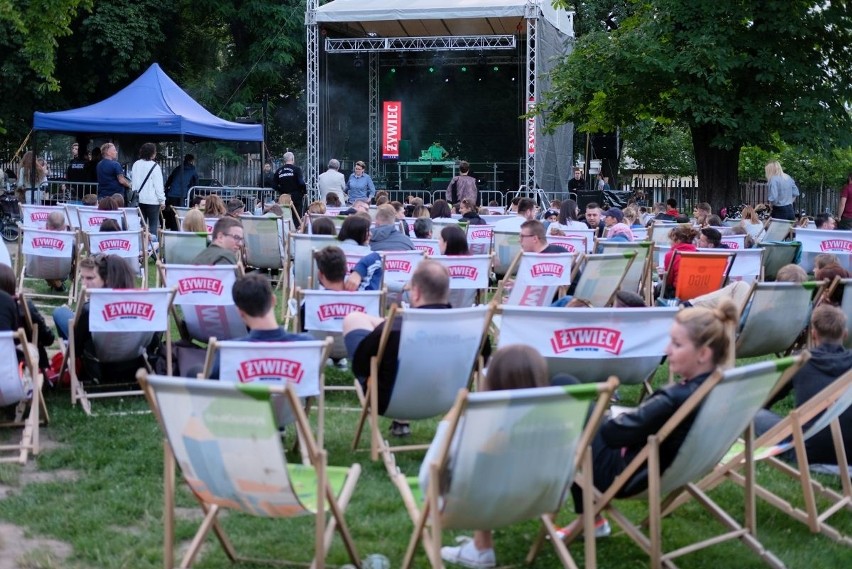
{"x":111,"y":515}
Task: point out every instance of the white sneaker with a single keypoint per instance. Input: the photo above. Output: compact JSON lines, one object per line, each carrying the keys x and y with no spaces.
{"x":467,"y":555}
{"x":342,"y":363}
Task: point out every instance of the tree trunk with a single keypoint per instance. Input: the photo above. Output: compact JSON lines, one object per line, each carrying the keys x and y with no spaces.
{"x":718,"y":182}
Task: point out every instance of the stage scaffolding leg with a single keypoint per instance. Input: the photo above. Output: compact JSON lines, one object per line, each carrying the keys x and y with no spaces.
{"x":373,"y":74}
{"x":532,"y":16}
{"x":312,"y":159}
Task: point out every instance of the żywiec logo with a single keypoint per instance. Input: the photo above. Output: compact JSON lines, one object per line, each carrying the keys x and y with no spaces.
{"x":115,"y":245}
{"x":337,"y":310}
{"x":270,"y":369}
{"x":96,"y":221}
{"x":200,"y":284}
{"x":836,"y":245}
{"x":39,"y":216}
{"x":427,"y":248}
{"x":605,"y":339}
{"x":732,"y":244}
{"x":48,"y":243}
{"x":480,"y":234}
{"x":128,"y":309}
{"x":547,"y":270}
{"x":397,"y":265}
{"x":463,"y":272}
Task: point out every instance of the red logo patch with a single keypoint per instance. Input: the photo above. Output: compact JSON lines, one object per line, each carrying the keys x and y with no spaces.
{"x":605,"y":339}
{"x":836,"y":245}
{"x":732,"y":244}
{"x":270,"y":369}
{"x":200,"y":284}
{"x":39,"y":216}
{"x":397,"y":265}
{"x":547,"y":269}
{"x":128,"y":309}
{"x":115,"y":245}
{"x":480,"y":234}
{"x":48,"y":243}
{"x":427,"y":248}
{"x":96,"y":221}
{"x":337,"y":310}
{"x":462,"y":272}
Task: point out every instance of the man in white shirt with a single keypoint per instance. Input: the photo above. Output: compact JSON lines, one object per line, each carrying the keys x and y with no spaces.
{"x":526,"y":212}
{"x":332,"y":181}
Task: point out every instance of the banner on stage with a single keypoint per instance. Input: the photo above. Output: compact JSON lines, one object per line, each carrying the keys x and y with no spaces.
{"x":531,"y":127}
{"x":392,"y":131}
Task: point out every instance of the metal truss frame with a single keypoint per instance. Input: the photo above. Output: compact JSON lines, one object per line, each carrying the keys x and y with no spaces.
{"x":312,"y":87}
{"x":373,"y":75}
{"x":533,"y":137}
{"x":425,"y":43}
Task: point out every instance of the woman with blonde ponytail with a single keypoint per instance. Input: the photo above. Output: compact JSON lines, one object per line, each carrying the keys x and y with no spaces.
{"x":701,"y":341}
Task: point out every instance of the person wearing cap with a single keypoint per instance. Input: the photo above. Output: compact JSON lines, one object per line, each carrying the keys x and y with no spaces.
{"x":470,"y":213}
{"x":616,"y":230}
{"x":236,"y":207}
{"x":550,"y":216}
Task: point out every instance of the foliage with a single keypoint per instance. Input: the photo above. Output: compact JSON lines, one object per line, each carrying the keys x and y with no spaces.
{"x":809,"y":169}
{"x":659,"y":149}
{"x":735,"y":72}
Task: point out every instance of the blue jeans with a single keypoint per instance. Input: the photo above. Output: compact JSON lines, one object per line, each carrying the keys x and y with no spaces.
{"x":783,"y":212}
{"x":62,"y":317}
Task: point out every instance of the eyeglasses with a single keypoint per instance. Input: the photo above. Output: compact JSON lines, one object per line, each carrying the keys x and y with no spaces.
{"x":237,"y":238}
{"x":522,"y":236}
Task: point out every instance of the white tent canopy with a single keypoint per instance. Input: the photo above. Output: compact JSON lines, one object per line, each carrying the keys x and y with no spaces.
{"x":413,"y":18}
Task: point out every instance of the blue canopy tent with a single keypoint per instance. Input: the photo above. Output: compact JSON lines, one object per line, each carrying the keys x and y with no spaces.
{"x":154,"y":105}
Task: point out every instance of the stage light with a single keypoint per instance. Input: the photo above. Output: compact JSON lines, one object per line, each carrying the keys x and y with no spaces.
{"x":495,"y":68}
{"x":431,"y":70}
{"x":464,"y":69}
{"x":393,"y":69}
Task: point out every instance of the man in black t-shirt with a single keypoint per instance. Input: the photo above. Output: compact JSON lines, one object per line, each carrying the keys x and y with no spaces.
{"x":288,"y":179}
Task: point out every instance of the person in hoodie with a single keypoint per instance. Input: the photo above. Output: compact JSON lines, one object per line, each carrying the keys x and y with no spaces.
{"x":386,"y":236}
{"x":469,"y":213}
{"x":829,"y":360}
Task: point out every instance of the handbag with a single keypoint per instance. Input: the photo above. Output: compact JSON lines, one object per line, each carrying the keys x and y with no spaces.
{"x":133,"y":197}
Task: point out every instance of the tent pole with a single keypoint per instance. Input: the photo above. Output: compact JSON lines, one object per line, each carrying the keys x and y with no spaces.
{"x":33,"y":168}
{"x":182,"y":173}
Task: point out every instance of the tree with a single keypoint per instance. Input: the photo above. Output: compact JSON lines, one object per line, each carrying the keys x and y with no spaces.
{"x":734,"y":72}
{"x":659,"y":149}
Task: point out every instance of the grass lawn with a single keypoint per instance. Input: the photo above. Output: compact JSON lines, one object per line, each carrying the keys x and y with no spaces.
{"x":111,"y":514}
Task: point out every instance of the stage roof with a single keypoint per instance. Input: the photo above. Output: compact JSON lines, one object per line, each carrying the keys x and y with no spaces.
{"x":413,"y":18}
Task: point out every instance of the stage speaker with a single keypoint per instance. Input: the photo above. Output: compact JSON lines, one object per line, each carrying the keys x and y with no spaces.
{"x":585,"y":198}
{"x":604,"y":146}
{"x":405,"y":150}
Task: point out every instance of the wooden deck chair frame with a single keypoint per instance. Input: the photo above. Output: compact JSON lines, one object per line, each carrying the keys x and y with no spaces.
{"x":682,"y":290}
{"x":767,"y":331}
{"x":370,"y":399}
{"x":256,"y":406}
{"x":22,"y":262}
{"x":828,"y":404}
{"x":280,"y":349}
{"x":846,"y":306}
{"x":79,"y":394}
{"x":438,"y":495}
{"x":694,"y":463}
{"x":29,"y":422}
{"x":507,"y":245}
{"x":35,"y":216}
{"x":122,"y":241}
{"x":591,"y":290}
{"x":777,"y":229}
{"x":203,"y":288}
{"x":639,"y":273}
{"x":515,"y":267}
{"x":300,"y":299}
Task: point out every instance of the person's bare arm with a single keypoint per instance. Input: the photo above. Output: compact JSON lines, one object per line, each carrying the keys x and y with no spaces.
{"x":123,"y":181}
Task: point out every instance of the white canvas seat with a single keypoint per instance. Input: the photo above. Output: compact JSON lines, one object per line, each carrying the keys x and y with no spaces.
{"x":587,"y":234}
{"x":480,"y":239}
{"x":180,"y":247}
{"x":47,"y":255}
{"x":21,"y":386}
{"x":122,"y":323}
{"x":397,"y":269}
{"x":203,"y":294}
{"x":747,"y":266}
{"x":423,"y":390}
{"x":427,"y":246}
{"x":776,"y":254}
{"x":602,"y":275}
{"x":574,"y":244}
{"x":735,"y":242}
{"x":135,"y":221}
{"x":91,"y":219}
{"x":35,"y":216}
{"x":264,"y":242}
{"x":129,"y":245}
{"x":816,"y":241}
{"x":724,"y":406}
{"x":478,"y":464}
{"x":775,"y":315}
{"x":469,"y":276}
{"x":592,"y":343}
{"x":659,"y":233}
{"x":302,"y":246}
{"x":638,"y":277}
{"x":298,"y":364}
{"x":225,"y":438}
{"x":536,"y":278}
{"x":71,"y":214}
{"x":777,"y":229}
{"x":210,"y":223}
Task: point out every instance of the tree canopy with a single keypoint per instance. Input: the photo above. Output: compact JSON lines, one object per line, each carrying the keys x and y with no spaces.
{"x":734,"y":72}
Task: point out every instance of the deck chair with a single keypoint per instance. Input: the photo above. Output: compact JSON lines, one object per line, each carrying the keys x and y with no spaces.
{"x":734,"y":242}
{"x":816,"y":241}
{"x":179,"y":248}
{"x":203,"y":294}
{"x":122,"y":323}
{"x":640,"y":233}
{"x":71,"y":214}
{"x":776,"y":254}
{"x":536,"y":278}
{"x":478,"y":464}
{"x":575,"y":244}
{"x":47,"y":255}
{"x":748,"y":266}
{"x":302,"y":246}
{"x":397,"y":269}
{"x":846,"y":306}
{"x":35,"y":216}
{"x":777,"y":230}
{"x":587,"y":234}
{"x":210,"y":223}
{"x":129,"y":245}
{"x":427,"y":246}
{"x":265,"y":243}
{"x":602,"y":275}
{"x":91,"y":219}
{"x":638,"y":277}
{"x":507,"y":245}
{"x":701,"y":272}
{"x":135,"y":221}
{"x":823,"y":409}
{"x":480,"y":239}
{"x":21,"y":386}
{"x":225,"y":438}
{"x":423,"y":390}
{"x":300,"y":364}
{"x":774,"y":316}
{"x":469,"y":277}
{"x":592,"y":343}
{"x":723,"y":406}
{"x":659,"y":233}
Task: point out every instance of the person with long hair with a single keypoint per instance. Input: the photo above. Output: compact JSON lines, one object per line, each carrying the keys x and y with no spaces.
{"x":782,"y":191}
{"x":44,"y":335}
{"x":701,"y":341}
{"x":470,"y":213}
{"x":453,"y":241}
{"x":751,"y":222}
{"x":214,"y":206}
{"x":682,"y":238}
{"x":194,"y":222}
{"x":440,"y":208}
{"x":354,"y":237}
{"x":568,"y":211}
{"x":25,"y":179}
{"x":511,"y":367}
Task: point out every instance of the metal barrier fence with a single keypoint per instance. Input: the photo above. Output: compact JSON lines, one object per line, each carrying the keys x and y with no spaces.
{"x":249,"y":195}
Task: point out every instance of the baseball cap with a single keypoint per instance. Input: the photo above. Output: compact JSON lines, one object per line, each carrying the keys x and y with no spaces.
{"x":616,"y":213}
{"x":551,"y":212}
